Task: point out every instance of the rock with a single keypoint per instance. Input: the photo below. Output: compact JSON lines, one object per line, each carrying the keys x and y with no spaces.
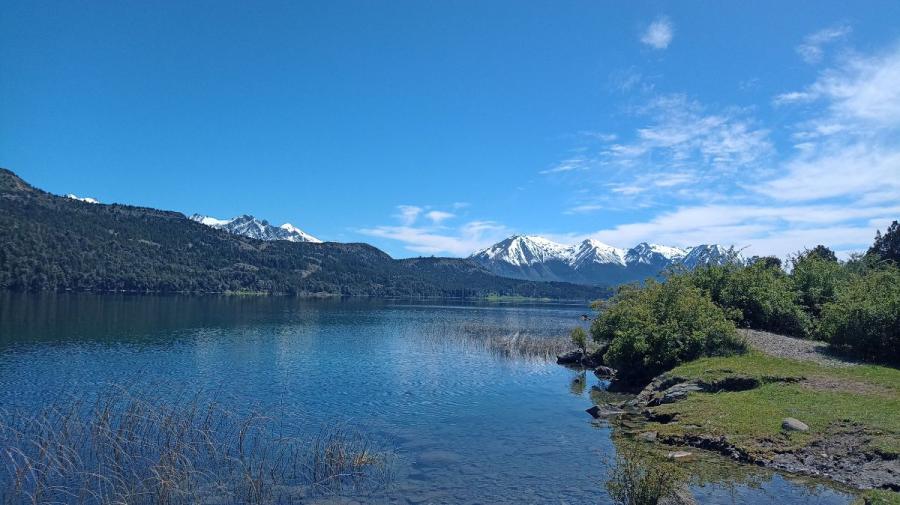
{"x":647,"y":436}
{"x":677,"y":393}
{"x":679,"y":455}
{"x":791,"y":424}
{"x":570,"y":358}
{"x":604,"y":372}
{"x":607,"y":410}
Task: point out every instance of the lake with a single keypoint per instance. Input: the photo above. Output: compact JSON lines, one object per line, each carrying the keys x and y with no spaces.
{"x":466,"y":425}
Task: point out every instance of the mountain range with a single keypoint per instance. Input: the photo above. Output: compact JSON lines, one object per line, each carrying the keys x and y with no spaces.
{"x":590,"y":261}
{"x":58,"y":243}
{"x":249,"y":226}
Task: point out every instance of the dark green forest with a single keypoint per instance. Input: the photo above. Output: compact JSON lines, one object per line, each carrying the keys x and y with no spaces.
{"x":53,"y":243}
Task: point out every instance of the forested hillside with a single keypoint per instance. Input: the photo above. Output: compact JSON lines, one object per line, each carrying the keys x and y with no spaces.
{"x":56,"y":243}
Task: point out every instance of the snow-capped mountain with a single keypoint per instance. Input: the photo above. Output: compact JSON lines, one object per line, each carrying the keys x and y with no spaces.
{"x":590,"y":261}
{"x":252,"y":227}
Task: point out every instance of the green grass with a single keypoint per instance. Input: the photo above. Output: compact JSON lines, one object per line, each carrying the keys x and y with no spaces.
{"x":878,"y":497}
{"x":867,"y":394}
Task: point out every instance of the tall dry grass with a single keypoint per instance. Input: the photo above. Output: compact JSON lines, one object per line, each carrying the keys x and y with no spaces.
{"x":496,"y":340}
{"x":122,"y":449}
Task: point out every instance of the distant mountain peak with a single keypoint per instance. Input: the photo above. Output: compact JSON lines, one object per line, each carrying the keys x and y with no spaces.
{"x":590,"y":261}
{"x":249,"y":226}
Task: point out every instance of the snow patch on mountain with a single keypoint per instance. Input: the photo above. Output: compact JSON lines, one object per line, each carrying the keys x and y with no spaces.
{"x":591,"y":261}
{"x":249,"y":226}
{"x":82,"y":199}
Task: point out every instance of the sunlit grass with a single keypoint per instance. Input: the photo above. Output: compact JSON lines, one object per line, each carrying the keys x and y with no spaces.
{"x":143,"y":450}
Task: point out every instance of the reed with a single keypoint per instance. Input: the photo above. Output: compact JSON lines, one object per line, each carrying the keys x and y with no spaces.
{"x":125,"y":449}
{"x":496,"y":340}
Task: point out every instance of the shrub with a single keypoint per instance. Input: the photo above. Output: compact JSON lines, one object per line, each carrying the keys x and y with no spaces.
{"x":865,"y":316}
{"x":579,"y":339}
{"x":654,"y":328}
{"x":815,"y":281}
{"x":755,"y":296}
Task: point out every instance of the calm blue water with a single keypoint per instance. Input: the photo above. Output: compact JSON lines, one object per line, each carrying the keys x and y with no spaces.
{"x":468,"y":426}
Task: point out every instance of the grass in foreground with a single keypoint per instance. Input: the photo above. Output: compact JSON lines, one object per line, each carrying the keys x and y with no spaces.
{"x":122,"y":449}
{"x":867,"y":395}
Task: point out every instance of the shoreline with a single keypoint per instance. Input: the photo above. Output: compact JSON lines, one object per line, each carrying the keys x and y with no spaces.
{"x":736,"y":406}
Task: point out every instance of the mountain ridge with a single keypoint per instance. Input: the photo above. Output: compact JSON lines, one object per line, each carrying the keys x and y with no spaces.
{"x":252,"y":227}
{"x":55,"y":243}
{"x":590,"y":261}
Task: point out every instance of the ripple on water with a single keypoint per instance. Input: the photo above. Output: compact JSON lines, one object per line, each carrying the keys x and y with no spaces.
{"x":468,"y":426}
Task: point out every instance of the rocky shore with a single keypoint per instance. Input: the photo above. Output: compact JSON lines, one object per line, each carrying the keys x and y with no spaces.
{"x":843,"y":450}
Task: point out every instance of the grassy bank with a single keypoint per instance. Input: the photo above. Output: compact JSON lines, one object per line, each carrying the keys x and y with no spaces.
{"x":849,"y":410}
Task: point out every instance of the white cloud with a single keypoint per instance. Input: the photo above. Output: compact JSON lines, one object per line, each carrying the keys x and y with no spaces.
{"x":438,"y":216}
{"x":659,"y":34}
{"x":578,"y":163}
{"x":715,"y":175}
{"x":432,"y":235}
{"x":408,"y":213}
{"x":811,"y":49}
{"x":763,"y":230}
{"x":462,"y":241}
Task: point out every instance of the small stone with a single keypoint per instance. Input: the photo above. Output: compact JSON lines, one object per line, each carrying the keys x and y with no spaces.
{"x":791,"y":424}
{"x":679,"y":455}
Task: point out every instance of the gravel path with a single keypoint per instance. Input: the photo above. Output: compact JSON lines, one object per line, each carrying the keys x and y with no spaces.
{"x":794,"y":348}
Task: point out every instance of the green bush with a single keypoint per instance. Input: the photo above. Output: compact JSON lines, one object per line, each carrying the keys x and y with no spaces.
{"x":654,"y":328}
{"x":579,"y":339}
{"x":865,"y":316}
{"x":816,"y":281}
{"x":757,"y":296}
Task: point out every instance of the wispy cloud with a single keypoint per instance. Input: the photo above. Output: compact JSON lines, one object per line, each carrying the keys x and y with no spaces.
{"x":659,"y":34}
{"x":423,"y":231}
{"x":438,"y":216}
{"x":715,"y":174}
{"x":811,"y":49}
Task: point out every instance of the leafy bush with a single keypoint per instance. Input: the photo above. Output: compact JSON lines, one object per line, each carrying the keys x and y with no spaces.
{"x":579,"y":339}
{"x":654,"y":328}
{"x":816,"y":280}
{"x":756,"y":296}
{"x":865,"y":315}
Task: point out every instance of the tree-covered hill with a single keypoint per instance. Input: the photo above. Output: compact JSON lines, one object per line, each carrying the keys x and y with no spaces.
{"x":48,"y":242}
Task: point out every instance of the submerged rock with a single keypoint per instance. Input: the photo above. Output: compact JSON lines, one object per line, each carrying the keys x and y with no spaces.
{"x":570,"y":358}
{"x":607,"y":410}
{"x":791,"y":424}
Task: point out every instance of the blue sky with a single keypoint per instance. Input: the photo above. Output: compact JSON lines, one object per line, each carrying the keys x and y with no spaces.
{"x":440,"y":127}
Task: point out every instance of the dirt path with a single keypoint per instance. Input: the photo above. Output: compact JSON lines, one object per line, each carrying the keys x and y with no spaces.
{"x":794,"y":348}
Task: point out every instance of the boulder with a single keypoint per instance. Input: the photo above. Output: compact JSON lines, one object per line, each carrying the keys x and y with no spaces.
{"x":570,"y":358}
{"x":674,"y":393}
{"x":605,"y":410}
{"x":648,"y":436}
{"x":791,"y":424}
{"x":679,"y":455}
{"x":604,"y":372}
